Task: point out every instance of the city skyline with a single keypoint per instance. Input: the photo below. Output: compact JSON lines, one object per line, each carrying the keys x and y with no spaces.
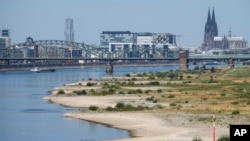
{"x":45,"y":19}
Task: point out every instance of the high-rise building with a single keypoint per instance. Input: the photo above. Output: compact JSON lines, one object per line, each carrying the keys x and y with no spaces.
{"x":69,"y":30}
{"x":4,"y":39}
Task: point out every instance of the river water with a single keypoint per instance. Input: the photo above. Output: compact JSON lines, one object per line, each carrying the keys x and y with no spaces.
{"x":24,"y":115}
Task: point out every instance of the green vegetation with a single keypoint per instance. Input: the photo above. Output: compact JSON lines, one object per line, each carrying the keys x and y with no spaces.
{"x":197,"y":139}
{"x":152,"y":99}
{"x":224,"y":138}
{"x":213,"y":88}
{"x":80,"y":92}
{"x":120,"y":106}
{"x":61,"y":92}
{"x":93,"y":108}
{"x":235,"y":112}
{"x":90,"y":84}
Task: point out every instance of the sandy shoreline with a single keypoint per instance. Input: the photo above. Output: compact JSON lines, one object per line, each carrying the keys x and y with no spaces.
{"x":143,"y":125}
{"x":176,"y":115}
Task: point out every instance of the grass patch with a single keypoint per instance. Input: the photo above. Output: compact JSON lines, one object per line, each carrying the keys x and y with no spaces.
{"x":93,"y":108}
{"x":235,"y":112}
{"x":120,"y":106}
{"x":60,"y":92}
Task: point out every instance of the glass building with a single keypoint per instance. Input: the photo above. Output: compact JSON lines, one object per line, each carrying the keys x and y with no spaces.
{"x":69,"y":30}
{"x":130,"y":44}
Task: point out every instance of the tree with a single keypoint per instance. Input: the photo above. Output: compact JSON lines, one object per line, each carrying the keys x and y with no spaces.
{"x":212,"y":70}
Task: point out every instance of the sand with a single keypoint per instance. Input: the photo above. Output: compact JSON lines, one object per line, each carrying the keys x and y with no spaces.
{"x":143,"y":125}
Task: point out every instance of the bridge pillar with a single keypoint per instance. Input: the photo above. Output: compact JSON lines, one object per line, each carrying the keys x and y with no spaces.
{"x":109,"y":67}
{"x":231,"y":63}
{"x":183,"y":59}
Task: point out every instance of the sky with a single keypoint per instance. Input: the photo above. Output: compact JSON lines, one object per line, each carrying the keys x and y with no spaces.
{"x":45,"y":19}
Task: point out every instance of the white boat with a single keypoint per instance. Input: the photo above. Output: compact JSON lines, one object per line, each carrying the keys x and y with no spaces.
{"x":35,"y":69}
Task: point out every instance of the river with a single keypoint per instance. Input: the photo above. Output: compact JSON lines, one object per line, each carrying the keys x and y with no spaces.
{"x":25,"y":116}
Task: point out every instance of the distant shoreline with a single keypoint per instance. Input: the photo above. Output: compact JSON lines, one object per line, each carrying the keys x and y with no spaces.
{"x":90,"y":66}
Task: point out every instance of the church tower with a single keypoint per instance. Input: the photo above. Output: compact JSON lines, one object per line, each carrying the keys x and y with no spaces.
{"x":211,"y":31}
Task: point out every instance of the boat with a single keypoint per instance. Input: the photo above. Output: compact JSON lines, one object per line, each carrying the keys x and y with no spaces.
{"x":35,"y":69}
{"x":38,"y":70}
{"x":211,"y":63}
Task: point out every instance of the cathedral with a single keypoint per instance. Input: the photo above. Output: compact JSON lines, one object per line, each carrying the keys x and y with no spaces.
{"x":214,"y":42}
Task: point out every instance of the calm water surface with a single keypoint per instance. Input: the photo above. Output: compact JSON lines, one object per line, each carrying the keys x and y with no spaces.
{"x":25,"y":116}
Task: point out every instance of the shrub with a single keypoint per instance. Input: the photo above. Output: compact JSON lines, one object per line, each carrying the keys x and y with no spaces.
{"x":109,"y":108}
{"x":93,"y":108}
{"x":92,"y":91}
{"x":172,"y":104}
{"x":132,"y":92}
{"x":171,"y":96}
{"x":128,"y":75}
{"x":197,"y":139}
{"x":120,"y":105}
{"x":148,"y":91}
{"x":235,"y":112}
{"x":139,"y":91}
{"x":181,"y":77}
{"x":235,"y":102}
{"x":155,"y":101}
{"x":111,"y":91}
{"x":90,"y":84}
{"x":150,"y":98}
{"x":121,"y":92}
{"x":82,"y":92}
{"x":172,"y":75}
{"x":133,"y":79}
{"x":159,"y":91}
{"x":196,"y":68}
{"x":212,"y":70}
{"x":224,"y":138}
{"x":131,"y":83}
{"x":61,"y":92}
{"x":154,"y":83}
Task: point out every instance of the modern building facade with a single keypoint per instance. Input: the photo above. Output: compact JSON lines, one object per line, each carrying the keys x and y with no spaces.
{"x":69,"y":30}
{"x":5,"y":39}
{"x":134,"y":44}
{"x":224,"y":43}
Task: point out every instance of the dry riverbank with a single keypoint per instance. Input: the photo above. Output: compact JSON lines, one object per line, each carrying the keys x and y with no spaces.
{"x":172,"y":109}
{"x":148,"y":125}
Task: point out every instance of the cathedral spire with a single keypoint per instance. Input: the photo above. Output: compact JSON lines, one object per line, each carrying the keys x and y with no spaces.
{"x":208,"y":16}
{"x":213,"y":17}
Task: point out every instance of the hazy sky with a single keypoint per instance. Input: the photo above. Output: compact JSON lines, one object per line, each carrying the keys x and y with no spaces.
{"x":45,"y":19}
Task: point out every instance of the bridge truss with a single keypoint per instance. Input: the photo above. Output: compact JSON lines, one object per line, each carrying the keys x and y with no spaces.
{"x":52,"y":49}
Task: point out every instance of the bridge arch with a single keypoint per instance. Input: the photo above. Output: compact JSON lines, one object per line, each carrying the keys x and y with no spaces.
{"x":53,"y":45}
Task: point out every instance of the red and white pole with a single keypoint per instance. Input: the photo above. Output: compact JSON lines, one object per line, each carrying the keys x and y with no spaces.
{"x":214,"y":131}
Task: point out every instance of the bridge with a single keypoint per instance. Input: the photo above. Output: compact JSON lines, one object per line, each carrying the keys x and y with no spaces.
{"x":59,"y":50}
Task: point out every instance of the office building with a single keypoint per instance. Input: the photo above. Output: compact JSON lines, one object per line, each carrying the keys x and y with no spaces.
{"x":69,"y":30}
{"x":5,"y":39}
{"x":134,"y":44}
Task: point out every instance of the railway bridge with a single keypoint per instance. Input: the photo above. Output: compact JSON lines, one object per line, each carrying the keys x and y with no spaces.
{"x":60,"y":50}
